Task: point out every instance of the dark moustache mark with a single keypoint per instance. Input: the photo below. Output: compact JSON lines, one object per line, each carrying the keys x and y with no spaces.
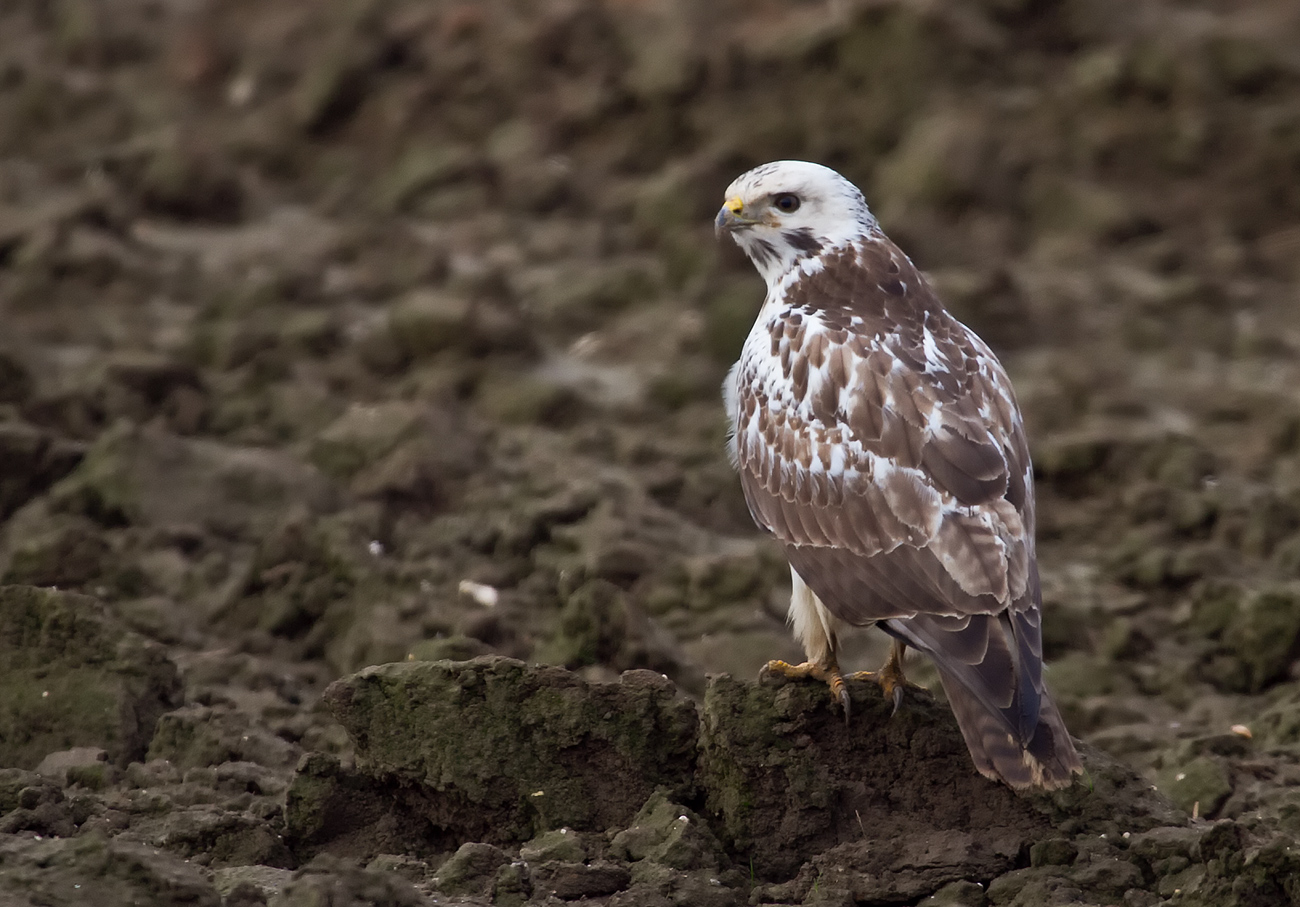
{"x":762,"y":251}
{"x":803,"y":240}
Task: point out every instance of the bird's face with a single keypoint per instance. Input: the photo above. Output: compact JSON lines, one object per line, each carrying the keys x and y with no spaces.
{"x":786,"y":211}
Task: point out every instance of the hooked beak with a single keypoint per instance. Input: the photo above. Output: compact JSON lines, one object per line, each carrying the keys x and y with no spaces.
{"x":732,"y":217}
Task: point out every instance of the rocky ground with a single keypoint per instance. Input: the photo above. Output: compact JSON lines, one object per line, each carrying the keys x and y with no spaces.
{"x":364,"y":333}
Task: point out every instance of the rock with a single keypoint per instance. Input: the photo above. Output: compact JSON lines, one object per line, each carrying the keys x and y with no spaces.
{"x":420,"y":169}
{"x":471,"y":870}
{"x":573,"y":881}
{"x":333,"y":882}
{"x":532,"y":180}
{"x":68,"y":552}
{"x":90,"y":869}
{"x":365,"y":434}
{"x":1199,"y":785}
{"x":13,"y":781}
{"x":495,"y":750}
{"x":1052,"y":852}
{"x":529,"y":399}
{"x":1088,"y":211}
{"x":299,"y":571}
{"x":513,"y":885}
{"x":147,"y":477}
{"x":656,"y":884}
{"x":141,"y":386}
{"x":71,"y":675}
{"x":957,"y":894}
{"x":661,"y":38}
{"x":41,"y":809}
{"x":409,"y":868}
{"x":561,"y":844}
{"x":16,"y":383}
{"x":451,"y":648}
{"x":31,"y":460}
{"x":912,"y":865}
{"x":1168,"y":849}
{"x":424,"y":323}
{"x":59,"y":766}
{"x":1109,"y":877}
{"x":786,"y":781}
{"x":223,"y":836}
{"x":328,"y":807}
{"x":1111,"y":799}
{"x":668,"y":833}
{"x":942,"y":160}
{"x":1263,"y":635}
{"x":1023,"y":887}
{"x":422,"y":466}
{"x":250,"y":881}
{"x":199,"y":735}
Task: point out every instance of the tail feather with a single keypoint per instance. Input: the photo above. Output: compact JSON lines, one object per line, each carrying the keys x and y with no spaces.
{"x":1047,"y":760}
{"x":992,"y":674}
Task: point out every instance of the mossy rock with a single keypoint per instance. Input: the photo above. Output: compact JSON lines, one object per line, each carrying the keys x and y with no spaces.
{"x":30,"y":459}
{"x":365,"y":434}
{"x":67,"y":872}
{"x":786,"y":779}
{"x":72,"y":676}
{"x":1264,"y":635}
{"x":330,"y":807}
{"x":69,"y":554}
{"x":1200,"y":785}
{"x":147,"y":477}
{"x":670,"y":834}
{"x":494,"y":750}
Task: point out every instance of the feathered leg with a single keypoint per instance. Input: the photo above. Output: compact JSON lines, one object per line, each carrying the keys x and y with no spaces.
{"x":815,"y":628}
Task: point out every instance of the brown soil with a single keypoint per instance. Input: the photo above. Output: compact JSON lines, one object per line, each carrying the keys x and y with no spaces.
{"x":337,"y":334}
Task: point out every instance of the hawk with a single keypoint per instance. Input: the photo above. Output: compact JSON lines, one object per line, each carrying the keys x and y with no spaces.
{"x":879,"y":440}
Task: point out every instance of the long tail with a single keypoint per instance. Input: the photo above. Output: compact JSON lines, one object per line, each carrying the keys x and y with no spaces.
{"x":991,"y":669}
{"x":1048,"y":759}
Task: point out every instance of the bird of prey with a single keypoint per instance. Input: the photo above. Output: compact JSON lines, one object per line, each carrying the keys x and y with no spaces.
{"x":879,"y":440}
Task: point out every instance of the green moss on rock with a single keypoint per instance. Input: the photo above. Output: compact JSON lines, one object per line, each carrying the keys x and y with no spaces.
{"x":471,"y":870}
{"x":785,"y":779}
{"x":72,"y":676}
{"x":668,"y":833}
{"x":364,"y":435}
{"x":563,"y":844}
{"x":70,"y":872}
{"x":498,"y":750}
{"x":1264,"y":635}
{"x":1201,"y":784}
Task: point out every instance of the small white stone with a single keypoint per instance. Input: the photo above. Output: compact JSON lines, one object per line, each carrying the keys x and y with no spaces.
{"x":481,"y":593}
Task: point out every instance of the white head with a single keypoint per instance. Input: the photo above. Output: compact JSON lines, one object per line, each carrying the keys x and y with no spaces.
{"x":786,"y":211}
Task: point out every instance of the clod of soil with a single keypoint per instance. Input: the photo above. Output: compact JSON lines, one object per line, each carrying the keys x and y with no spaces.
{"x":770,"y":792}
{"x":72,"y":675}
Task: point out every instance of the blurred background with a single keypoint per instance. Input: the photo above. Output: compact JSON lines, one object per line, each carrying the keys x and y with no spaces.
{"x":339,"y":333}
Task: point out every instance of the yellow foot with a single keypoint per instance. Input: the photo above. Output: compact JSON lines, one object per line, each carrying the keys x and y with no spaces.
{"x":827,"y":674}
{"x":890,"y":677}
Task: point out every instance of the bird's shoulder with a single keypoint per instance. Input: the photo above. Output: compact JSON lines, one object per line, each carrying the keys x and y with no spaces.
{"x":879,"y":440}
{"x":859,"y":351}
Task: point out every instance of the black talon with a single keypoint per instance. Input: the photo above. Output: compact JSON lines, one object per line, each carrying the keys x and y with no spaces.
{"x":898,"y":700}
{"x":844,"y":703}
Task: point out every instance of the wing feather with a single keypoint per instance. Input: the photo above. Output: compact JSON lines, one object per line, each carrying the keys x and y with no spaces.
{"x":918,"y":417}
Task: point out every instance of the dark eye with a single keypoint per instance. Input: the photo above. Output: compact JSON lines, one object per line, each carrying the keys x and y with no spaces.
{"x":786,"y":202}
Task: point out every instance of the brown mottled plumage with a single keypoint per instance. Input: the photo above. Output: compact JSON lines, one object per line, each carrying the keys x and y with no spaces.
{"x":878,"y":439}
